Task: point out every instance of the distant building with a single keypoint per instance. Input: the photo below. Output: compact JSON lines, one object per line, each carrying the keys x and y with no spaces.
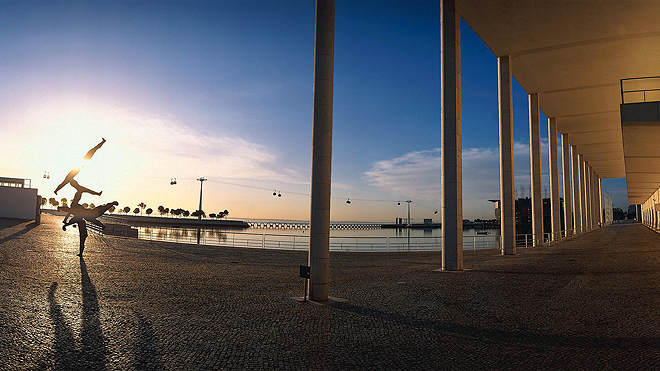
{"x":524,"y":215}
{"x":18,"y":200}
{"x":633,"y":211}
{"x":618,"y":214}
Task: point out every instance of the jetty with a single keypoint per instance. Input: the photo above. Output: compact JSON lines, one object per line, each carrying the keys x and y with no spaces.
{"x":305,"y":225}
{"x":156,"y":221}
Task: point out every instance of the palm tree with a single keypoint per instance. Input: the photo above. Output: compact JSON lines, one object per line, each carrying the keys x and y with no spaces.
{"x":53,"y":202}
{"x":161,"y":210}
{"x":136,"y":211}
{"x":127,"y":209}
{"x":85,"y":205}
{"x":111,"y":209}
{"x":142,"y":205}
{"x":91,"y":206}
{"x":149,"y":211}
{"x":186,"y":213}
{"x":64,"y":201}
{"x":44,"y":201}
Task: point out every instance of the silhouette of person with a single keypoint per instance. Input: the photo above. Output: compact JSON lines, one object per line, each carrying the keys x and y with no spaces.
{"x":69,"y":177}
{"x":74,"y":204}
{"x":80,"y":214}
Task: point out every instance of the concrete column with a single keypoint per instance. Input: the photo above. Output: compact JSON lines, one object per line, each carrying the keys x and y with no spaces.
{"x":451,"y":147}
{"x":594,"y":200}
{"x":319,"y":230}
{"x":587,"y":193}
{"x":535,"y":169}
{"x":566,"y":175}
{"x":583,"y":193}
{"x":592,"y":180}
{"x":507,"y":186}
{"x":601,"y":218}
{"x":577,"y":209}
{"x":555,"y":232}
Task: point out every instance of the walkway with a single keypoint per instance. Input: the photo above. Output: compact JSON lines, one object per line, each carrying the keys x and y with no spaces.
{"x":592,"y":302}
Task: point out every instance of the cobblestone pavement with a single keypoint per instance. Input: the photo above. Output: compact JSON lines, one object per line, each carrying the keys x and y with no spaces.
{"x":592,"y":302}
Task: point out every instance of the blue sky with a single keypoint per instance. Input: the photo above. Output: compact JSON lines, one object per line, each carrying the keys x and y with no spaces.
{"x":223,"y":89}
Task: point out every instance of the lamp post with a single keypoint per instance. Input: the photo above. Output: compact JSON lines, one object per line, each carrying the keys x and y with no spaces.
{"x":201,"y":183}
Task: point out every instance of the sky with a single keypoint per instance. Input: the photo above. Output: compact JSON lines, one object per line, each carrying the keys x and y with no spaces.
{"x":223,"y":90}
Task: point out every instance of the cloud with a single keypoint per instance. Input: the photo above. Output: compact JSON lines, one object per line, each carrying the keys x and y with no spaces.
{"x":178,"y":148}
{"x":415,"y":174}
{"x":144,"y":150}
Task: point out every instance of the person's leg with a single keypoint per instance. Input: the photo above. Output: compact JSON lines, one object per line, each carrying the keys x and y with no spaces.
{"x":82,"y":189}
{"x":97,"y":222}
{"x":100,"y":210}
{"x":91,"y":152}
{"x":68,"y":178}
{"x":82,"y":229}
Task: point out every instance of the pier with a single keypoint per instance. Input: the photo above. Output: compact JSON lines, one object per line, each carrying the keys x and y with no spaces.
{"x":305,"y":225}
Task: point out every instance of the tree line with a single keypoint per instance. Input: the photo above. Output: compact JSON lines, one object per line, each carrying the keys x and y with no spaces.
{"x":163,"y":211}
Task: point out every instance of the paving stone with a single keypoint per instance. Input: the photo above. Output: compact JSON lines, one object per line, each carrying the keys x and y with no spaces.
{"x":591,"y":302}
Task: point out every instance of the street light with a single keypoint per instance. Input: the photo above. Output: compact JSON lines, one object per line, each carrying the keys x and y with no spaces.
{"x":201,"y":183}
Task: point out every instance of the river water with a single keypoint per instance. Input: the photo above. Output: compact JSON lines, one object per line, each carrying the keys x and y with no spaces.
{"x":355,"y":240}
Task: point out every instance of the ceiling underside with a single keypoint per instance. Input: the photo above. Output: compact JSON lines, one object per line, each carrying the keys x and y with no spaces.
{"x":574,"y":54}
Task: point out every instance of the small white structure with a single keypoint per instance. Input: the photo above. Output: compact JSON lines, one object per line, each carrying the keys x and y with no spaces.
{"x":18,"y":200}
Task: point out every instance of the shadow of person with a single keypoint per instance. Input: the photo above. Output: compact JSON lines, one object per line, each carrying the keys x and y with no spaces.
{"x":93,"y":344}
{"x":147,"y":355}
{"x":65,"y":354}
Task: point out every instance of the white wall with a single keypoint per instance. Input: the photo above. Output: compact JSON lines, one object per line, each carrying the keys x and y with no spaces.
{"x":19,"y":203}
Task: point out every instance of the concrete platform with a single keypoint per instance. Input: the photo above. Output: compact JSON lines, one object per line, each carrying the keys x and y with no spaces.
{"x":592,"y":302}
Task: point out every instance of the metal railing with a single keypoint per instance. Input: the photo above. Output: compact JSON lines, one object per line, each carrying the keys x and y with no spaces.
{"x":527,"y":240}
{"x":640,"y":89}
{"x":296,"y":242}
{"x":212,"y":237}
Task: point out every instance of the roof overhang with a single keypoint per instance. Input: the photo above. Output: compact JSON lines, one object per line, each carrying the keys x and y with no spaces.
{"x":640,"y":124}
{"x":575,"y":54}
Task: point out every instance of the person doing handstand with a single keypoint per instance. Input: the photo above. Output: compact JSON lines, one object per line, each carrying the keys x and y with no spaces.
{"x":80,"y":214}
{"x":69,"y":177}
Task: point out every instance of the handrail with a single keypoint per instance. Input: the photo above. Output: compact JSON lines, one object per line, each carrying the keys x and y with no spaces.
{"x":297,"y":242}
{"x":339,"y":243}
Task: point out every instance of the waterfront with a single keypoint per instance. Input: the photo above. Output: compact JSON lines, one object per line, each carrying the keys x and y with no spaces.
{"x":355,"y":240}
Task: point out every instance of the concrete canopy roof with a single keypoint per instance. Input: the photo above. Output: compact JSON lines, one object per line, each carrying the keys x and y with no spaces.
{"x":574,"y":54}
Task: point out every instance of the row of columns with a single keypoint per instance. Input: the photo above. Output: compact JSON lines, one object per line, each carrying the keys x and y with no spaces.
{"x":581,"y":185}
{"x":650,"y":211}
{"x":586,"y":184}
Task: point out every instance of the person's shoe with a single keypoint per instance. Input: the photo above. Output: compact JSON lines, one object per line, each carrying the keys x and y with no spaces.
{"x":115,"y":203}
{"x":64,"y":228}
{"x":99,"y":193}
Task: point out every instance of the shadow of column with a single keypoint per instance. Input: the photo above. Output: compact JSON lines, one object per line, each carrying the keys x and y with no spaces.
{"x":93,"y":348}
